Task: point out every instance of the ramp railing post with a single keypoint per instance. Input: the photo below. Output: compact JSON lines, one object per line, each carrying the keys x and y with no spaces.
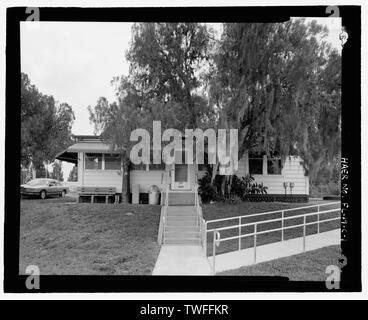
{"x":239,"y":247}
{"x":255,"y":243}
{"x":318,"y":220}
{"x":216,"y":243}
{"x":304,"y":231}
{"x":282,"y":225}
{"x":205,"y":239}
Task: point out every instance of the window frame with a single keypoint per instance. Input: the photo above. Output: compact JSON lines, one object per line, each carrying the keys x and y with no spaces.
{"x":104,"y":162}
{"x":143,"y":167}
{"x":152,"y":168}
{"x":270,"y":159}
{"x":255,"y":158}
{"x":93,"y":169}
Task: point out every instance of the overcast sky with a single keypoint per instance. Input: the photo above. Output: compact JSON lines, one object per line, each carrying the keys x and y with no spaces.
{"x":76,"y":61}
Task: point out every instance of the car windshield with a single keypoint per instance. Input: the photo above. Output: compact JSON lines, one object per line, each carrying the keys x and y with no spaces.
{"x":37,"y":182}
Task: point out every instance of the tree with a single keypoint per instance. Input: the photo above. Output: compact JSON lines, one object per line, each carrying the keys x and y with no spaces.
{"x":162,"y":85}
{"x":268,"y":84}
{"x":166,"y":60}
{"x":42,"y":172}
{"x":73,"y":174}
{"x":45,"y":126}
{"x":57,"y":171}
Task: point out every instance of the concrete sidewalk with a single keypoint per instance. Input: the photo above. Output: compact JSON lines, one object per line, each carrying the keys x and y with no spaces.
{"x":237,"y":259}
{"x":181,"y":260}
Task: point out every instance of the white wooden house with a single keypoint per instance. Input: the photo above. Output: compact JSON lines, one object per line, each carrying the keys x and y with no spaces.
{"x":99,"y":167}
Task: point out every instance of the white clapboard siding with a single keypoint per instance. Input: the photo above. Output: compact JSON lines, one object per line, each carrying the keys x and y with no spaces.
{"x":103,"y":178}
{"x":292,"y":171}
{"x":145,"y":179}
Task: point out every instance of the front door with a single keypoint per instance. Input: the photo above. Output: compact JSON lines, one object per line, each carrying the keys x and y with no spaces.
{"x":180,"y":174}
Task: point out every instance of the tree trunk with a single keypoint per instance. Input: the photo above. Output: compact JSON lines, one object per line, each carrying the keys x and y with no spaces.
{"x":214,"y":172}
{"x":125,"y":190}
{"x":230,"y":182}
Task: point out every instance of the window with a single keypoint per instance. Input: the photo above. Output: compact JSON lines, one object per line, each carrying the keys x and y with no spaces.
{"x":140,"y":166}
{"x":160,"y":166}
{"x":112,"y":161}
{"x":273,"y":166}
{"x":202,"y":167}
{"x":37,"y":182}
{"x":93,"y":161}
{"x":256,"y":165}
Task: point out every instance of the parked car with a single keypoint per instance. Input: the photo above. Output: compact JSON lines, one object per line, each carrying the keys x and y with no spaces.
{"x":43,"y":188}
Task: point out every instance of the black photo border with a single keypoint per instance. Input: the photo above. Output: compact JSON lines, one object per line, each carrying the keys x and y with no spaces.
{"x":351,"y":137}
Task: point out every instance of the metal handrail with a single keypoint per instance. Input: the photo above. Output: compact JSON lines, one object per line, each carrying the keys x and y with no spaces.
{"x":277,"y":229}
{"x":270,"y":212}
{"x":217,"y":236}
{"x":273,"y":220}
{"x":164,"y":218}
{"x":200,"y":220}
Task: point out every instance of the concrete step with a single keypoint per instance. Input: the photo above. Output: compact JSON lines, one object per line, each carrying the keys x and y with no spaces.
{"x":181,"y":210}
{"x":182,"y":223}
{"x":182,"y":215}
{"x":181,"y":202}
{"x":181,"y":235}
{"x":179,"y":229}
{"x":181,"y":198}
{"x":182,"y":218}
{"x":184,"y":242}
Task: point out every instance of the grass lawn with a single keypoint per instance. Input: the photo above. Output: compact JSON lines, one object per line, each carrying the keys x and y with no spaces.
{"x":308,"y":266}
{"x":88,"y":239}
{"x":221,"y":210}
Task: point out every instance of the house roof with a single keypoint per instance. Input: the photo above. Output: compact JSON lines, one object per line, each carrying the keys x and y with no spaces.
{"x":90,"y":144}
{"x":89,"y":147}
{"x":79,"y":138}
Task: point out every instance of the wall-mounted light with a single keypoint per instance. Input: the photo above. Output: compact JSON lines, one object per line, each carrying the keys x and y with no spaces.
{"x":291,"y":185}
{"x":285,"y":186}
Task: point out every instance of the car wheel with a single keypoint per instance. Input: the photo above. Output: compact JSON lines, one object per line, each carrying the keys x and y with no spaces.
{"x":63,"y":193}
{"x":43,"y":194}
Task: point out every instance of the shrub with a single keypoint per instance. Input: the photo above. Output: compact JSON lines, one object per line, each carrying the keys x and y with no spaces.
{"x":247,"y":185}
{"x":206,"y":190}
{"x":232,"y":199}
{"x":240,"y":187}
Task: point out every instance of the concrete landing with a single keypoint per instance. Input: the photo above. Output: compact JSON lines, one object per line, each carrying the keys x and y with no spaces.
{"x":181,"y":260}
{"x":237,"y":259}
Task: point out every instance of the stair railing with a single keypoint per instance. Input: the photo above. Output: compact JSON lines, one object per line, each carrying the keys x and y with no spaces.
{"x":166,"y":205}
{"x":200,"y":221}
